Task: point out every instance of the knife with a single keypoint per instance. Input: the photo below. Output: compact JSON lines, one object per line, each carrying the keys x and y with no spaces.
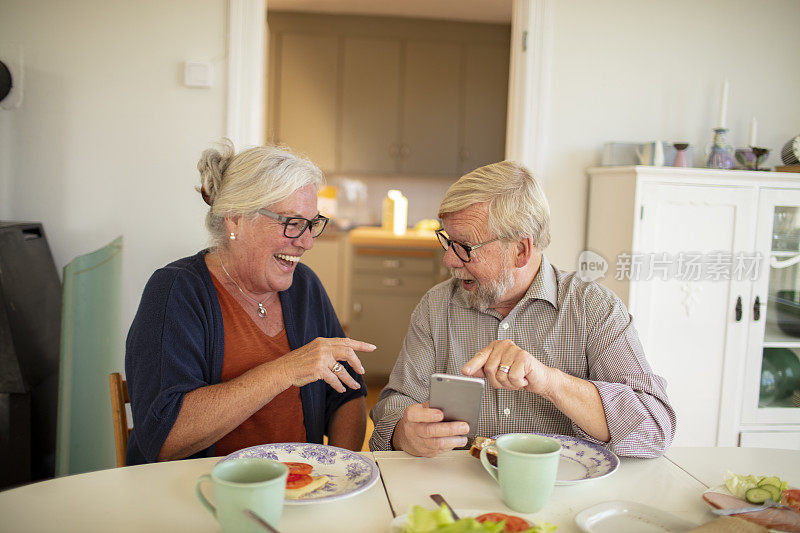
{"x":440,"y":500}
{"x":740,"y":510}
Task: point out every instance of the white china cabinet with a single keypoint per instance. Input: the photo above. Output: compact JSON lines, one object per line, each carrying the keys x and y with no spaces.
{"x":708,"y":262}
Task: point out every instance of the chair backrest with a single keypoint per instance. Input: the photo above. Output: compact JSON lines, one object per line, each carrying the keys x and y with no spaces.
{"x":119,"y":397}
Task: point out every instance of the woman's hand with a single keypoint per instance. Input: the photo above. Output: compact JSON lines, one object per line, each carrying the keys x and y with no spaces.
{"x":318,"y":360}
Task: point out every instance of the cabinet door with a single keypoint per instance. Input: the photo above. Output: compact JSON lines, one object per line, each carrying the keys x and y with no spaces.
{"x":306,"y":111}
{"x":431,"y":108}
{"x":381,"y":318}
{"x":684,"y":308}
{"x":485,"y":102}
{"x":326,"y":259}
{"x":772,"y":387}
{"x":370,"y":106}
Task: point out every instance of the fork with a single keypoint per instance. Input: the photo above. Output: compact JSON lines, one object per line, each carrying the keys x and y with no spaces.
{"x":740,"y":510}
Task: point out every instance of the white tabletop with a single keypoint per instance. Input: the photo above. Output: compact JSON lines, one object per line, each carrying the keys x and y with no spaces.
{"x":461,"y":479}
{"x":160,"y":497}
{"x":710,"y":465}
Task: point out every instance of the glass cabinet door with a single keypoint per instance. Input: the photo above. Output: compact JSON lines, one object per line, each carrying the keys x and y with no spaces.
{"x":772,"y":386}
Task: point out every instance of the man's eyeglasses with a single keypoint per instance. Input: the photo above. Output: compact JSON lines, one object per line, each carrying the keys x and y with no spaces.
{"x":462,"y":251}
{"x":293,"y":227}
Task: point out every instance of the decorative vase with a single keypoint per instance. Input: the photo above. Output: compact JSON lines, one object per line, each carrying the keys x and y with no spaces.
{"x":745,"y":158}
{"x":721,"y":155}
{"x":680,"y":155}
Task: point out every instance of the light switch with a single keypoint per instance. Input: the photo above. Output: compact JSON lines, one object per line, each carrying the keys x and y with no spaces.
{"x":198,"y":74}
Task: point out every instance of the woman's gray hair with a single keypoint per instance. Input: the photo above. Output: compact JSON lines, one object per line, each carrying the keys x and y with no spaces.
{"x":241,"y":184}
{"x":517,"y":205}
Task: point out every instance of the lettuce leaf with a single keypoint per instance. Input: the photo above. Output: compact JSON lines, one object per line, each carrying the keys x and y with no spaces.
{"x":421,"y":520}
{"x":739,"y":484}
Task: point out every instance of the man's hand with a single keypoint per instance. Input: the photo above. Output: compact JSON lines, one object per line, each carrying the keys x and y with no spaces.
{"x":507,"y":366}
{"x":421,"y":432}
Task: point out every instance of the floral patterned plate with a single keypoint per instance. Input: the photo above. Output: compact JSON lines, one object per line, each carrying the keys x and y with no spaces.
{"x":581,"y":460}
{"x":349,"y":472}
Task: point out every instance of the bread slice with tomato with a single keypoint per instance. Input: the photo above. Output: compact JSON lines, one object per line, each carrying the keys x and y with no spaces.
{"x":300,"y":482}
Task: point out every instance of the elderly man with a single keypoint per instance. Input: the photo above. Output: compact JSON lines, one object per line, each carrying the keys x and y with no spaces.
{"x":559,"y":355}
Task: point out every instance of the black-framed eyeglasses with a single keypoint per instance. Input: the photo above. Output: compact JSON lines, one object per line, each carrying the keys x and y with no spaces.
{"x":462,"y":251}
{"x":293,"y":227}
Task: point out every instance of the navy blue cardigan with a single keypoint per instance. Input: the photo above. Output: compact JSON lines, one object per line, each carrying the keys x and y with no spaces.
{"x":176,"y":344}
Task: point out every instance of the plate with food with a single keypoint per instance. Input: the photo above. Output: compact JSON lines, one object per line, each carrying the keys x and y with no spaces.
{"x":421,"y":520}
{"x":317,"y":473}
{"x":630,"y":517}
{"x":765,"y":500}
{"x":580,"y":460}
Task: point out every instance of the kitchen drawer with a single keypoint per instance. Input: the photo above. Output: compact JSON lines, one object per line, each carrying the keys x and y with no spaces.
{"x":394,"y":261}
{"x":396,"y":282}
{"x":787,"y":440}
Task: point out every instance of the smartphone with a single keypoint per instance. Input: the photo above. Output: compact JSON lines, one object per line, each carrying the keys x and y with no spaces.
{"x":458,"y":397}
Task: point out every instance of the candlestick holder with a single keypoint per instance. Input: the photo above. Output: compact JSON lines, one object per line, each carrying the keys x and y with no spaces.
{"x":721,"y":155}
{"x":760,"y":156}
{"x":745,"y":158}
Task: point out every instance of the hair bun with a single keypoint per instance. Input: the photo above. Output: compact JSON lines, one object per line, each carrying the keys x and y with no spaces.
{"x":212,"y":166}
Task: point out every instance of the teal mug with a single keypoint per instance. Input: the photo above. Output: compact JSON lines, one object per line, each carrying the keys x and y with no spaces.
{"x":251,"y":483}
{"x":526,"y":469}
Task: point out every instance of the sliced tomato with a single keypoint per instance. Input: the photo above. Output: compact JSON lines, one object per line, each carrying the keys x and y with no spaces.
{"x":299,"y":468}
{"x":792,"y":498}
{"x":295,"y":481}
{"x":513,"y":523}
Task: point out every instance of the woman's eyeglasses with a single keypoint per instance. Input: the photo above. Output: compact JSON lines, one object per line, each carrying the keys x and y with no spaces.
{"x":462,"y":251}
{"x":293,"y":227}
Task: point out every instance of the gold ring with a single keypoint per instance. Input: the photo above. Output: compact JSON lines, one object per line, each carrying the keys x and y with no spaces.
{"x":503,"y":368}
{"x":337,"y":367}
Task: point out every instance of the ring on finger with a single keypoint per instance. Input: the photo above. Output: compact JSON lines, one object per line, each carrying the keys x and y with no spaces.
{"x":503,"y":368}
{"x":337,"y":367}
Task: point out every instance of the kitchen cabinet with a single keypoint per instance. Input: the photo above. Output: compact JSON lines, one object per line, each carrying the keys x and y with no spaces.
{"x":693,"y":254}
{"x":329,"y":259}
{"x":379,"y":96}
{"x":305,"y":114}
{"x":389,"y":276}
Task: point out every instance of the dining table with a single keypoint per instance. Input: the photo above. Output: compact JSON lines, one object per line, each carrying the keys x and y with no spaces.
{"x":160,"y":496}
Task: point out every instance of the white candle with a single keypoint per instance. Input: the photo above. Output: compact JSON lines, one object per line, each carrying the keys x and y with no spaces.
{"x":753,"y":129}
{"x":723,"y":105}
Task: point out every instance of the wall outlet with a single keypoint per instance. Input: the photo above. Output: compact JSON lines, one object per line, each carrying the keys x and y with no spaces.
{"x":11,"y":55}
{"x":198,"y":74}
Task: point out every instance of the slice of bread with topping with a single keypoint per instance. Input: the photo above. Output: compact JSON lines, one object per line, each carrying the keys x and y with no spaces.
{"x":316,"y":483}
{"x":478,"y":444}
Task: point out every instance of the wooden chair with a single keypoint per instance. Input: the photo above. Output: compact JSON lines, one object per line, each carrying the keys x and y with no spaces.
{"x":119,"y":397}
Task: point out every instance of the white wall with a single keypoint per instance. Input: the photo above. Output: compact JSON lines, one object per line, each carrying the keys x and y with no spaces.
{"x":107,"y":138}
{"x":633,"y":70}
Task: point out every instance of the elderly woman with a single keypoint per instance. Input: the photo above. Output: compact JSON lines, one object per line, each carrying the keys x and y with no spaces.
{"x":239,"y":345}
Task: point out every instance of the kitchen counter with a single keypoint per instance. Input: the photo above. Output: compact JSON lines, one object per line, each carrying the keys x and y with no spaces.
{"x":376,"y":236}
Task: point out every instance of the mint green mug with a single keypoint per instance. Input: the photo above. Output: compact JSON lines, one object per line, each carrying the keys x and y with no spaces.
{"x":253,"y":483}
{"x":526,"y":469}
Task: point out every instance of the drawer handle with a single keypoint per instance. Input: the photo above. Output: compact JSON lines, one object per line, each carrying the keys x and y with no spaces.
{"x":391,"y":282}
{"x":391,"y":263}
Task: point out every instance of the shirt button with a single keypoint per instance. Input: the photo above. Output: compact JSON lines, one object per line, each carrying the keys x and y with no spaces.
{"x":505,"y":326}
{"x":506,"y":411}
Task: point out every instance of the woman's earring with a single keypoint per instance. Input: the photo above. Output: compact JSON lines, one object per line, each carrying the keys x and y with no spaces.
{"x":233,"y":236}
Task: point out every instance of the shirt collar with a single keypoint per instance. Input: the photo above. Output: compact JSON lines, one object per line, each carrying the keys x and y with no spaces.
{"x":543,"y":287}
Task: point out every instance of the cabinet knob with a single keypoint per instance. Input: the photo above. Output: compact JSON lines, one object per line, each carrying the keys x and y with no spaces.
{"x":464,"y":154}
{"x":357,"y":308}
{"x":756,"y":309}
{"x":404,"y":150}
{"x":391,"y":263}
{"x":738,"y":309}
{"x":394,"y":150}
{"x":390,"y":282}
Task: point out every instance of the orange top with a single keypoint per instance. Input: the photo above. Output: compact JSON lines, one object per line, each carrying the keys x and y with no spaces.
{"x":246,"y":346}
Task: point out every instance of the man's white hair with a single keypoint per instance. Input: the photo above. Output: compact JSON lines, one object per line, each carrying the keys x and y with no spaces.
{"x":517,"y":205}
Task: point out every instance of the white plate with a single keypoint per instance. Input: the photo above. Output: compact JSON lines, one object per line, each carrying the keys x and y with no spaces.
{"x":581,"y":460}
{"x":629,"y":517}
{"x":349,"y":472}
{"x":396,"y":526}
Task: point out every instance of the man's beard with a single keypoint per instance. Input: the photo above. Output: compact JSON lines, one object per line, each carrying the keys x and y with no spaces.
{"x":486,"y":294}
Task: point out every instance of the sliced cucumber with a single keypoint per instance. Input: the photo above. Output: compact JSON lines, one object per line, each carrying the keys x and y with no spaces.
{"x":775,"y":482}
{"x":774,"y":492}
{"x":757,"y":495}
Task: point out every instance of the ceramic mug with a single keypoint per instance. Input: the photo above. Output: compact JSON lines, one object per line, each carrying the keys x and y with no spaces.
{"x":526,"y":469}
{"x":253,"y":483}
